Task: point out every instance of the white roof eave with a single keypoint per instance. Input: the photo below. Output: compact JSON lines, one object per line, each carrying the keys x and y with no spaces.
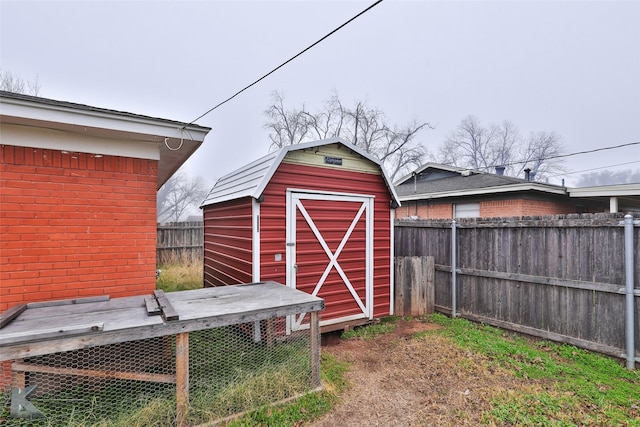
{"x":606,"y":191}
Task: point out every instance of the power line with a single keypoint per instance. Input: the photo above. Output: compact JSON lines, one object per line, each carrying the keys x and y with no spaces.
{"x":286,"y":62}
{"x":593,"y":169}
{"x":571,"y":154}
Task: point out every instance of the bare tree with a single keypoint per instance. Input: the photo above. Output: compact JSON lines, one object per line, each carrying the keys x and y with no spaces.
{"x":475,"y":146}
{"x":539,"y":152}
{"x":179,"y":195}
{"x":9,"y":82}
{"x":362,"y":125}
{"x":607,"y":177}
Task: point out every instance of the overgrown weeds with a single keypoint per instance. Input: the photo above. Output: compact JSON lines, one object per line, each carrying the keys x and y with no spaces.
{"x":180,"y":276}
{"x":309,"y":407}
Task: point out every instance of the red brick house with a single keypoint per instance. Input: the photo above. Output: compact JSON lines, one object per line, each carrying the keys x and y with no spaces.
{"x":78,"y":197}
{"x":437,"y":191}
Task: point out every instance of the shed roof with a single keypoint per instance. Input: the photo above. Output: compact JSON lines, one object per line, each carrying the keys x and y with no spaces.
{"x":251,"y":180}
{"x":27,"y":110}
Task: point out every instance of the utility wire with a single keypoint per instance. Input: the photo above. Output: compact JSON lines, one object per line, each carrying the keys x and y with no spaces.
{"x":594,"y":169}
{"x":570,"y":154}
{"x":286,"y":62}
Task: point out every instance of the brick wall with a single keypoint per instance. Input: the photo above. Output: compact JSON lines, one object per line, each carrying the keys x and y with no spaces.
{"x":75,"y":225}
{"x":424,"y":210}
{"x":524,"y":207}
{"x":488,"y":208}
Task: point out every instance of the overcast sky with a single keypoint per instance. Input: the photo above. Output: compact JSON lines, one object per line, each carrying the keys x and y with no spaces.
{"x":572,"y":67}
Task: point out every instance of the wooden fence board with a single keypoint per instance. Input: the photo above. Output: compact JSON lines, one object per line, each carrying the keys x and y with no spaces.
{"x":560,"y":276}
{"x":179,"y":241}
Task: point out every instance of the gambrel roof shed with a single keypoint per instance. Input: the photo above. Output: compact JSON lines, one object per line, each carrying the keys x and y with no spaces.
{"x":251,"y":180}
{"x":316,"y":216}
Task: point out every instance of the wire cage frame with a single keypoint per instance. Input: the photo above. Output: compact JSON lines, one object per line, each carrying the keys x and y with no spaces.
{"x":185,"y":358}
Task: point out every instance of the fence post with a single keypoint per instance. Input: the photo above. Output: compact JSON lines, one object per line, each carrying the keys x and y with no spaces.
{"x":629,"y":315}
{"x":430,"y":273}
{"x":453,"y":268}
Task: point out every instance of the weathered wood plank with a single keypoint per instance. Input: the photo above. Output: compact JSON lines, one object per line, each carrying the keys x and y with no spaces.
{"x":121,"y":375}
{"x":430,"y":299}
{"x":182,"y":379}
{"x":314,"y":325}
{"x":7,"y":316}
{"x":414,"y":286}
{"x":541,"y":280}
{"x":47,"y":333}
{"x":561,"y":274}
{"x":169,"y":314}
{"x":56,"y":303}
{"x":127,"y":320}
{"x":153,"y":308}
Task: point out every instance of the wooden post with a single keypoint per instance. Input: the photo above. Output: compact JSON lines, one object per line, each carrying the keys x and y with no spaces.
{"x":270,"y":332}
{"x":182,"y":378}
{"x":430,"y":291}
{"x":314,"y":324}
{"x":414,"y":293}
{"x":19,"y":377}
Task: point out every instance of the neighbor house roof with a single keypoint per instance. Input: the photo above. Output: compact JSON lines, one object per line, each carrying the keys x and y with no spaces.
{"x":251,"y":180}
{"x":176,"y":141}
{"x":434,"y":181}
{"x":627,"y":195}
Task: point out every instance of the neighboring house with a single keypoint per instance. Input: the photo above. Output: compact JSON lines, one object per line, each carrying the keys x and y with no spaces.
{"x":620,"y":197}
{"x":316,"y":217}
{"x":78,"y":197}
{"x":437,"y":191}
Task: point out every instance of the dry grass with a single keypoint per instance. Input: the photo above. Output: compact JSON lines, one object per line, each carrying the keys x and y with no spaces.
{"x":180,"y":275}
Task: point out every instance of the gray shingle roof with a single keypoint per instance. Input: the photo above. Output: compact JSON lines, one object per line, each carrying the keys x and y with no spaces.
{"x":457,"y":183}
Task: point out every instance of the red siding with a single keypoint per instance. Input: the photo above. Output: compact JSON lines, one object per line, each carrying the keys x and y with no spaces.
{"x":273,"y":227}
{"x":312,"y":260}
{"x":75,"y":225}
{"x":228,"y":243}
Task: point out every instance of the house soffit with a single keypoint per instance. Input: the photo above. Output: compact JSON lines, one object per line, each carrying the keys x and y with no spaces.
{"x":175,"y":141}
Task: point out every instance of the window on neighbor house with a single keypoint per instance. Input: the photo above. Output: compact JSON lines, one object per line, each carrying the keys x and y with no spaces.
{"x":466,"y":210}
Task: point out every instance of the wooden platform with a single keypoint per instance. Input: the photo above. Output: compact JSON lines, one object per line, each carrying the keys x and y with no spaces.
{"x":48,"y":328}
{"x":60,"y":326}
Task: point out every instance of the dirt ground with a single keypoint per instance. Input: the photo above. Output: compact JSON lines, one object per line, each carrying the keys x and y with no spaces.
{"x":399,"y":380}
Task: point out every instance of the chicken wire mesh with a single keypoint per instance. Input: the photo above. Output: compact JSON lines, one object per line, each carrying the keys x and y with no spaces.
{"x":232,"y":369}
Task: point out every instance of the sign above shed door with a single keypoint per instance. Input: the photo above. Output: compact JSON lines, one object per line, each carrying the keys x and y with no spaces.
{"x":329,"y":254}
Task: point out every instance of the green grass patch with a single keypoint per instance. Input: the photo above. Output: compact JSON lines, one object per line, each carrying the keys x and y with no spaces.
{"x":570,"y":386}
{"x":369,"y":332}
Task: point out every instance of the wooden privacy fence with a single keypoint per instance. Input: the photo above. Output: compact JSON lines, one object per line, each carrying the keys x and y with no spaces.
{"x":560,"y":278}
{"x":179,"y":241}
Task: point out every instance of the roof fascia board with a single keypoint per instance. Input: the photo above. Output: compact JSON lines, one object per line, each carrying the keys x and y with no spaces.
{"x":486,"y":190}
{"x":103,"y":119}
{"x":606,"y":191}
{"x":53,"y":139}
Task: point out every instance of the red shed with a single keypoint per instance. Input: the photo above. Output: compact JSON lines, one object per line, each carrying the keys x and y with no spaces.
{"x":317,"y":217}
